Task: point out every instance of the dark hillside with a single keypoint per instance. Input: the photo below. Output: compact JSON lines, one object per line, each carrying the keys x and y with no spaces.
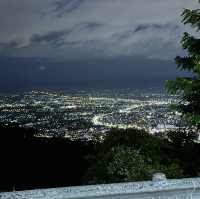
{"x":28,"y":162}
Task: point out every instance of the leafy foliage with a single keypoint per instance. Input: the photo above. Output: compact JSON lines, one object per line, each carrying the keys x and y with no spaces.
{"x":132,"y":155}
{"x":189,"y":87}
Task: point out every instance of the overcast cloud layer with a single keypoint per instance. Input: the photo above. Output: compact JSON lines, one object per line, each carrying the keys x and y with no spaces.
{"x":76,"y":29}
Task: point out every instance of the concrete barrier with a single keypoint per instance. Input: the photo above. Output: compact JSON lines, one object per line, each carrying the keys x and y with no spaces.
{"x":158,"y":188}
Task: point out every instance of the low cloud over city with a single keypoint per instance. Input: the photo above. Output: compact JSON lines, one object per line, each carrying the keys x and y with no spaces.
{"x":84,"y":29}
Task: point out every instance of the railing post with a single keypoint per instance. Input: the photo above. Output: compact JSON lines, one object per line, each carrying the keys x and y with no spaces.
{"x":159,"y":177}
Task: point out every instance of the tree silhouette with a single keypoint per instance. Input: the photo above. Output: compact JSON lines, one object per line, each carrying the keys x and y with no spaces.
{"x":188,"y":87}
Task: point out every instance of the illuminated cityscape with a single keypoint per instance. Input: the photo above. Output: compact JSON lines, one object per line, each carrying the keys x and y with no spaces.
{"x":89,"y":114}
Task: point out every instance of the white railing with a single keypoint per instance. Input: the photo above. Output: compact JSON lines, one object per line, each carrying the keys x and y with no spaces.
{"x":158,"y":188}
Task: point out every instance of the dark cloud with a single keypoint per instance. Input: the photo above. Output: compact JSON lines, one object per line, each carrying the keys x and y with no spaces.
{"x":58,"y":38}
{"x":6,"y":47}
{"x":144,"y":27}
{"x":11,"y":44}
{"x":91,"y":26}
{"x":62,"y":7}
{"x":81,"y":42}
{"x":154,"y":26}
{"x":55,"y":38}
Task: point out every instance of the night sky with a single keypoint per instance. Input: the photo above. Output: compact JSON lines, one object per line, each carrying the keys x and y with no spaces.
{"x":60,"y":44}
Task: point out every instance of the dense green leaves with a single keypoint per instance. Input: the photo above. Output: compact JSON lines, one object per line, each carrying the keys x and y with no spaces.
{"x":188,"y":88}
{"x":192,"y":17}
{"x":132,"y":155}
{"x":185,"y":63}
{"x":191,"y":44}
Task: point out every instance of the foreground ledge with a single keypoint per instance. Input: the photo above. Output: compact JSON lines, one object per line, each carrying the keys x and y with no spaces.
{"x":156,"y":189}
